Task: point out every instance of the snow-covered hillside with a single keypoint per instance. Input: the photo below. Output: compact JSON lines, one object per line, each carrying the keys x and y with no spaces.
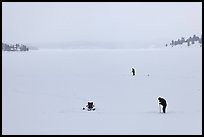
{"x":43,"y":92}
{"x":185,"y":45}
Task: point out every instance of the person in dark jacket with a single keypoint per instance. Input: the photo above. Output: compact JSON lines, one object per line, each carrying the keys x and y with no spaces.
{"x":90,"y":106}
{"x":133,"y":71}
{"x":163,"y":102}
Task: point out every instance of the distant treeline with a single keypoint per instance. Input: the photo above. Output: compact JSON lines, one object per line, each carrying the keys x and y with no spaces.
{"x":15,"y":47}
{"x":190,"y":41}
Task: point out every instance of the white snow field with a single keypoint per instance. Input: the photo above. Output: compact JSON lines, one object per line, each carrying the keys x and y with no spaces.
{"x":44,"y":91}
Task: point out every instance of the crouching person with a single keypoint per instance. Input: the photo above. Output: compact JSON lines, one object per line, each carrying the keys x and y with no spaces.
{"x":90,"y":106}
{"x":162,"y":102}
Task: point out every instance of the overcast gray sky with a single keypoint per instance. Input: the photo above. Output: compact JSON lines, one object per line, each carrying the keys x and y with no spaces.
{"x":94,"y":21}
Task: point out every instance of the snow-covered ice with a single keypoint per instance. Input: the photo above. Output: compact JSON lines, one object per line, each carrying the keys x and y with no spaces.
{"x":43,"y":92}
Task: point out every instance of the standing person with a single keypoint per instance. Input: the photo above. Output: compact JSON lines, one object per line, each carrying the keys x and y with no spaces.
{"x":133,"y":71}
{"x":162,"y":102}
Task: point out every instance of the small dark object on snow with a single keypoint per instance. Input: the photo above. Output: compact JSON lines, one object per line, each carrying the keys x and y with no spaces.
{"x":90,"y":106}
{"x":162,"y":102}
{"x":133,"y":71}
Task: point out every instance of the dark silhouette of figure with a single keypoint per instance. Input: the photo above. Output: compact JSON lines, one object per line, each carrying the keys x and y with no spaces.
{"x":90,"y":106}
{"x":162,"y":102}
{"x":133,"y":71}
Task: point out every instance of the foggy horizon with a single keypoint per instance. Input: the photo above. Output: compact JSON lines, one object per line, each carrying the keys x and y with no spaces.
{"x":95,"y":22}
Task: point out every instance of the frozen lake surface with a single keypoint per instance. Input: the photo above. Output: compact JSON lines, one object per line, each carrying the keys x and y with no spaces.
{"x":43,"y":92}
